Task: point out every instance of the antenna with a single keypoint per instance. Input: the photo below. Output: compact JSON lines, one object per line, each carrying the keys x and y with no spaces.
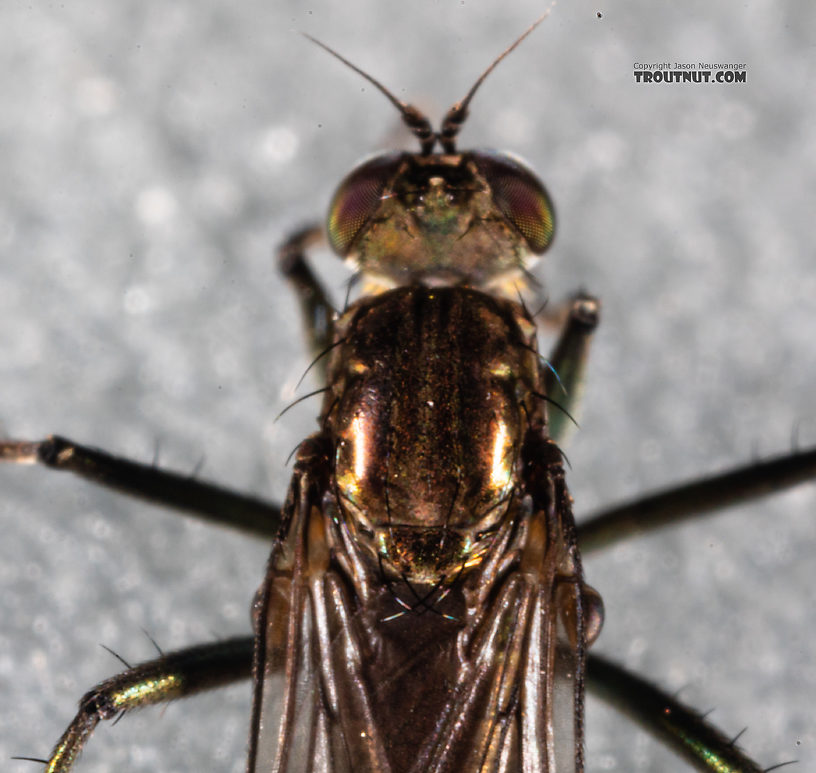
{"x":457,"y":115}
{"x":414,"y":118}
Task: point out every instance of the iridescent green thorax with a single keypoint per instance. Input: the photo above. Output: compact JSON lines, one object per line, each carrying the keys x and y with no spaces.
{"x":431,"y":395}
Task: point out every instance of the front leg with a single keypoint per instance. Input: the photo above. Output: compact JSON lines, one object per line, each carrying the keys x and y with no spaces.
{"x":566,"y":370}
{"x":316,"y":310}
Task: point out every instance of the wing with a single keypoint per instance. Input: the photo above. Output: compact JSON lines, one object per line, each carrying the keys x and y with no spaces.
{"x":298,"y":612}
{"x":488,"y":680}
{"x":518,"y":700}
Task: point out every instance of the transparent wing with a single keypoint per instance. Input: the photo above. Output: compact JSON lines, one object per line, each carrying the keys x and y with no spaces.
{"x":488,"y":680}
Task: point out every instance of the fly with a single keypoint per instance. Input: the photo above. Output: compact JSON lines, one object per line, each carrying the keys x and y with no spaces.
{"x":428,"y":529}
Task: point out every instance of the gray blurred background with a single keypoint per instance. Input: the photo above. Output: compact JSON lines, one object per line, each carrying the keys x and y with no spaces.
{"x":153,"y":153}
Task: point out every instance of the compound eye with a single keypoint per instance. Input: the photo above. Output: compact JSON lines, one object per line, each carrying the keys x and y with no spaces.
{"x":520,"y":196}
{"x":357,"y":198}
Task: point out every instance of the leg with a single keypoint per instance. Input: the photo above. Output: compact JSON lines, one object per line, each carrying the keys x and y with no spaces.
{"x":672,"y":723}
{"x":170,"y":489}
{"x":696,"y":498}
{"x":564,"y":382}
{"x":175,"y":675}
{"x":315,"y":307}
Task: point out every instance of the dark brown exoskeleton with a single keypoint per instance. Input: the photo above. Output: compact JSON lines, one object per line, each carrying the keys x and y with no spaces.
{"x":423,"y":607}
{"x":429,"y":573}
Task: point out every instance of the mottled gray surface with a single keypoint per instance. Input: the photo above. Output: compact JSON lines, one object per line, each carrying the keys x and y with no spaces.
{"x":152,"y":154}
